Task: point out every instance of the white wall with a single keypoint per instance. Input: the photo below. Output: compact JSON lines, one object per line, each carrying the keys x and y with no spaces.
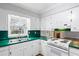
{"x":57,"y":10}
{"x":6,"y":9}
{"x":3,"y":20}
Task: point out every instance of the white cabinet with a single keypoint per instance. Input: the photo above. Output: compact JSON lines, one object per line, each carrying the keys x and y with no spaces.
{"x":43,"y":23}
{"x":59,"y":20}
{"x":34,"y":23}
{"x":73,"y":54}
{"x":16,"y":50}
{"x":53,"y":23}
{"x":46,"y":23}
{"x":31,"y":48}
{"x":4,"y":51}
{"x":44,"y":49}
{"x":36,"y":47}
{"x":75,"y":19}
{"x":62,"y":20}
{"x":74,"y":51}
{"x":27,"y":48}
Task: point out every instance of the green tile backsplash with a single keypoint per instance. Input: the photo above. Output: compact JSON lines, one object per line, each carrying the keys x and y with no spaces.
{"x":34,"y":33}
{"x":3,"y":35}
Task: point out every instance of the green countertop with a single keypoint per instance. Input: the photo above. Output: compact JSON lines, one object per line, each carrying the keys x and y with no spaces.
{"x":6,"y":42}
{"x":73,"y":45}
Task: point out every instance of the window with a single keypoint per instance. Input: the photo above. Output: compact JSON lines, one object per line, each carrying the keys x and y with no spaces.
{"x":18,"y":26}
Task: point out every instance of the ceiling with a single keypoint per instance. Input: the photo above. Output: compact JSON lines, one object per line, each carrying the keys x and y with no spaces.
{"x":43,"y":8}
{"x":35,"y":7}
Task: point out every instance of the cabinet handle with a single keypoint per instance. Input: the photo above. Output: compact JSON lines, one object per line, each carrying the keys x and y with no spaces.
{"x":10,"y":53}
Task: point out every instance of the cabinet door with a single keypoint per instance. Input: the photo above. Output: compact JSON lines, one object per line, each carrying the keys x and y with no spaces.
{"x":44,"y":48}
{"x":36,"y":47}
{"x":27,"y":48}
{"x":53,"y":23}
{"x":4,"y":51}
{"x":46,"y":23}
{"x":35,"y":23}
{"x":74,"y":51}
{"x":73,"y":54}
{"x":16,"y":50}
{"x":43,"y":23}
{"x":75,"y":19}
{"x":62,"y":20}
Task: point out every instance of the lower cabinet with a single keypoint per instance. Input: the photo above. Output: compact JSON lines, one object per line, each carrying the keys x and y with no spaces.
{"x":73,"y":54}
{"x":44,"y":49}
{"x":74,"y":51}
{"x":30,"y":48}
{"x":36,"y":47}
{"x":16,"y":50}
{"x":4,"y":51}
{"x":27,"y":48}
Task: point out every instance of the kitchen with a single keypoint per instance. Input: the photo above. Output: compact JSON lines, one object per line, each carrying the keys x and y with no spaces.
{"x":39,"y":29}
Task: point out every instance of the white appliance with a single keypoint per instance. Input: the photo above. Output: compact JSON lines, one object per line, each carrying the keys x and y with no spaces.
{"x":59,"y":47}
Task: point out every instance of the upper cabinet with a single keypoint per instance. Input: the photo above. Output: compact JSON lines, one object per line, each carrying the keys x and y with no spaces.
{"x":43,"y":22}
{"x":65,"y":19}
{"x":46,"y":23}
{"x":35,"y":23}
{"x":59,"y":20}
{"x":18,"y":26}
{"x":75,"y":19}
{"x":62,"y":20}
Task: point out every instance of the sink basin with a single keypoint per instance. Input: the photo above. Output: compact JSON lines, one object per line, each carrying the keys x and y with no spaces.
{"x":13,"y":41}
